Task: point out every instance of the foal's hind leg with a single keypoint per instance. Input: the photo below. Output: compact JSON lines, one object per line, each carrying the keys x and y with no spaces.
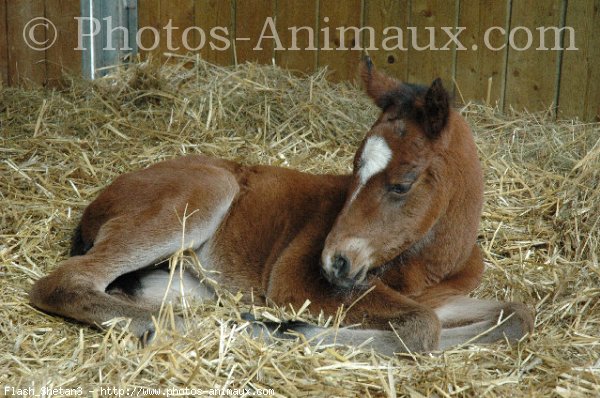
{"x":466,"y":319}
{"x":131,"y":241}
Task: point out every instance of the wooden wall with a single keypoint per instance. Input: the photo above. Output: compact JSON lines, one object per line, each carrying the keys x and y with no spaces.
{"x":20,"y":64}
{"x":531,"y":79}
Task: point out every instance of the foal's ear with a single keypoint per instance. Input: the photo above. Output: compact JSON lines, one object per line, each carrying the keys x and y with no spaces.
{"x":376,"y":83}
{"x":437,"y":108}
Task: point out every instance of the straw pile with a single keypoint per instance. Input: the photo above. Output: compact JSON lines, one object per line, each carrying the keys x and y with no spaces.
{"x":540,"y":235}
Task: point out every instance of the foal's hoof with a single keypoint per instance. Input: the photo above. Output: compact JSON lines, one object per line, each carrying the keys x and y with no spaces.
{"x":521,"y":321}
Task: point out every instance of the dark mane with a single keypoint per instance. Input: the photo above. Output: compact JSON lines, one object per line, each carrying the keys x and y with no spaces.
{"x":403,"y":97}
{"x":419,"y":104}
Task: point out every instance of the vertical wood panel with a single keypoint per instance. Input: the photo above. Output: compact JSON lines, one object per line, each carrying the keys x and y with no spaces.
{"x":181,"y":15}
{"x":381,"y":14}
{"x":580,"y":74}
{"x":24,"y":64}
{"x":531,"y":75}
{"x":425,"y":65}
{"x":250,"y":18}
{"x":297,"y":13}
{"x":149,"y":16}
{"x":210,"y":14}
{"x":62,"y":56}
{"x":3,"y":45}
{"x":475,"y":67}
{"x":342,"y":63}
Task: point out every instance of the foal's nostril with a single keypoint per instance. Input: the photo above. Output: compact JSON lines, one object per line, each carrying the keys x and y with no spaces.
{"x":340,"y":265}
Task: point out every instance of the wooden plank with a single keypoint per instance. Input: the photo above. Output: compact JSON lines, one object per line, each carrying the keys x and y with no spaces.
{"x":580,"y":72}
{"x":149,"y":18}
{"x":532,"y":74}
{"x":62,"y":57}
{"x":211,"y":14}
{"x":24,"y":63}
{"x":297,"y":13}
{"x":478,"y":63}
{"x":250,"y":18}
{"x":392,"y":54}
{"x":3,"y":45}
{"x":424,"y":63}
{"x":180,"y":14}
{"x":333,"y":15}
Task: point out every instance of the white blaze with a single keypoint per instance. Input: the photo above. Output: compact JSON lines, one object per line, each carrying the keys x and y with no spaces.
{"x":375,"y":157}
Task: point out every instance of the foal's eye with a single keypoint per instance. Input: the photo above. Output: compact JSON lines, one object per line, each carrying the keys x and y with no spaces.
{"x":400,"y":189}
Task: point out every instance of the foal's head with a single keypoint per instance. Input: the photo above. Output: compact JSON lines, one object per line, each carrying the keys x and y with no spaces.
{"x":398,"y":186}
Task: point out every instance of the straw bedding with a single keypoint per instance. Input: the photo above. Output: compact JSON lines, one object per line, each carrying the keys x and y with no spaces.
{"x":539,"y":233}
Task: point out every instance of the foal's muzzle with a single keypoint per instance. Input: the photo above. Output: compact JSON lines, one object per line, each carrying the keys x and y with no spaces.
{"x":337,"y":270}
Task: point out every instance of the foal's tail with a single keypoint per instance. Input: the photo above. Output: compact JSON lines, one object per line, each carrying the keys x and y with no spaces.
{"x":78,"y":244}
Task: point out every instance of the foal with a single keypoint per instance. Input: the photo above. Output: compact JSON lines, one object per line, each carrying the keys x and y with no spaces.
{"x":403,"y":225}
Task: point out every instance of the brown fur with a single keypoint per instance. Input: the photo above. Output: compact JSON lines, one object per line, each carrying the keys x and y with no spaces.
{"x":270,"y":230}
